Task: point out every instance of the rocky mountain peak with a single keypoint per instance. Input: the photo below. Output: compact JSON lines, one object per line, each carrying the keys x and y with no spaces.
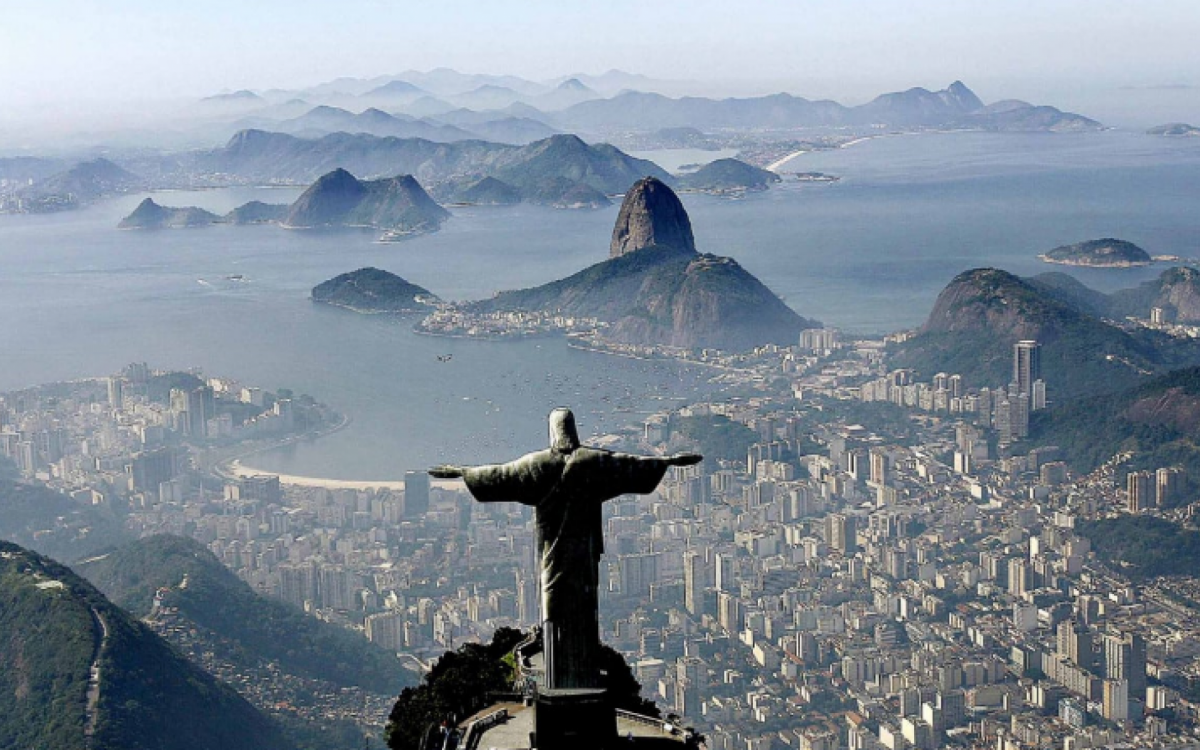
{"x":958,"y":95}
{"x":651,"y":216}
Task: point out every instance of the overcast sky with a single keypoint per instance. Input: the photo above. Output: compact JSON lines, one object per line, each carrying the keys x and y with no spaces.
{"x":1057,"y":51}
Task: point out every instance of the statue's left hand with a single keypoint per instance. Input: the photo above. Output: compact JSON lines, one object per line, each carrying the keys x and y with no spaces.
{"x":446,"y":471}
{"x":685,"y":459}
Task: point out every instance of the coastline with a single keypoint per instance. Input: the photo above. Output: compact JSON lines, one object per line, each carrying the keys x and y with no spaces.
{"x":365,"y":311}
{"x":776,"y":165}
{"x":238,"y":469}
{"x":583,"y":347}
{"x":1084,"y":264}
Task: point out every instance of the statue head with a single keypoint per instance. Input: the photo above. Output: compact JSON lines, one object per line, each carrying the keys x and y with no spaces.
{"x":563,"y":437}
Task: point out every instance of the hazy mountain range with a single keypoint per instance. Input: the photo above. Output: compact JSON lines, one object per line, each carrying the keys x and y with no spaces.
{"x":258,"y":156}
{"x":575,"y":106}
{"x":447,"y":127}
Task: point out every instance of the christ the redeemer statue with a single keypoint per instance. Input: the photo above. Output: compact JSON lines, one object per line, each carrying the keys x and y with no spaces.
{"x":566,"y":485}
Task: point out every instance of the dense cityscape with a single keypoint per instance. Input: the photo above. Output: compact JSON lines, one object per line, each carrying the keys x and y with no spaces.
{"x":552,"y":376}
{"x":819,"y":581}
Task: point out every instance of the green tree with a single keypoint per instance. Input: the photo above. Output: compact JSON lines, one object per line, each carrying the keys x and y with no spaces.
{"x":460,"y":682}
{"x":457,"y":685}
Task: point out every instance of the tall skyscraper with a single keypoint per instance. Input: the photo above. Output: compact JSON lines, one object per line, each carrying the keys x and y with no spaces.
{"x":1139,"y":486}
{"x":416,"y":494}
{"x":696,"y":578}
{"x":841,"y":533}
{"x":1037,"y":399}
{"x":116,"y":393}
{"x":725,"y":571}
{"x":1125,"y":661}
{"x":1004,"y":420}
{"x":192,"y":410}
{"x":1169,"y":484}
{"x":1075,"y":643}
{"x":1027,"y":366}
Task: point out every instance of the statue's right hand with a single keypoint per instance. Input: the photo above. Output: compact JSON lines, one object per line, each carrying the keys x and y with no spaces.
{"x":446,"y":471}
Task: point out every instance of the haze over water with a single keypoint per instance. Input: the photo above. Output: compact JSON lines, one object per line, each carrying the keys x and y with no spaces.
{"x":868,"y":254}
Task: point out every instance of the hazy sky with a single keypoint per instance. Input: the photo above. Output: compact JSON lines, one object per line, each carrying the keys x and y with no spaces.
{"x":75,"y":51}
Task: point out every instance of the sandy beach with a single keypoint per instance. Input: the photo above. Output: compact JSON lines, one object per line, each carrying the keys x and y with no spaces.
{"x":775,"y":167}
{"x":238,"y":469}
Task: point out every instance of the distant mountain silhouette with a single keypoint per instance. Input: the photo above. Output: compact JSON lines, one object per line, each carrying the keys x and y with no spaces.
{"x":545,"y":171}
{"x":339,"y":199}
{"x":81,"y":184}
{"x":396,"y":88}
{"x":324,"y":120}
{"x":954,"y":106}
{"x":244,"y":95}
{"x":487,"y":191}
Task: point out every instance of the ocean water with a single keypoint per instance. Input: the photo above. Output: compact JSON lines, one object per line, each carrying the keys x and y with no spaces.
{"x":868,"y":254}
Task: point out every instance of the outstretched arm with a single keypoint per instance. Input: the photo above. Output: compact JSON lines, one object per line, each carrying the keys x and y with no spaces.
{"x":630,"y":473}
{"x":526,"y":480}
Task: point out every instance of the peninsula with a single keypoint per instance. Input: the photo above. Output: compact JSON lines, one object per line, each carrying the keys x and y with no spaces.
{"x":654,"y":290}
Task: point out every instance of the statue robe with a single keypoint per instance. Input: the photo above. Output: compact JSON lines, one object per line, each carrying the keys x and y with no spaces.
{"x":566,"y":491}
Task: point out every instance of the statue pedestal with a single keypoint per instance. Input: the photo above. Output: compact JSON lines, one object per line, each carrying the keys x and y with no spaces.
{"x":578,"y":719}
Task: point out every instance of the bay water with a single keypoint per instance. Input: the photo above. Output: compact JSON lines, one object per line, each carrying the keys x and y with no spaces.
{"x":868,"y":254}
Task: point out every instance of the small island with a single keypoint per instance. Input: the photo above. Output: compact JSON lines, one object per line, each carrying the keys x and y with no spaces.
{"x":1175,"y":130}
{"x":1103,"y":253}
{"x":150,"y":215}
{"x":371,"y":290}
{"x":728,"y":175}
{"x":396,"y":206}
{"x":815,"y":177}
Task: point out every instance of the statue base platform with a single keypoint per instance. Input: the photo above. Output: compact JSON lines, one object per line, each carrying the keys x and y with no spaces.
{"x":579,"y":719}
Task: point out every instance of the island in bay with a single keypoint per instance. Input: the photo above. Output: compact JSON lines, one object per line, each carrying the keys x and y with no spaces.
{"x":654,"y":290}
{"x":397,"y":206}
{"x":1103,"y":253}
{"x":728,"y":175}
{"x":1174,"y":130}
{"x":371,"y":290}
